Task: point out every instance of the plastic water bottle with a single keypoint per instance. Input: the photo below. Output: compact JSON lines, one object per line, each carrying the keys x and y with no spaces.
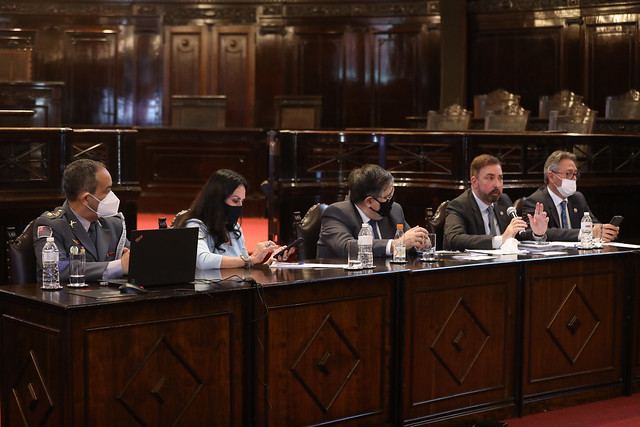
{"x":365,"y":245}
{"x":586,"y":232}
{"x":50,"y":272}
{"x":399,"y":248}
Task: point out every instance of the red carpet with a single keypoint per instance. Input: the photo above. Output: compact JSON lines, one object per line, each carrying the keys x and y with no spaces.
{"x":619,"y":412}
{"x":255,"y":229}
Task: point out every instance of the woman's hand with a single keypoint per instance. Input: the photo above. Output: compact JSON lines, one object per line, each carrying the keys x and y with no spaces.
{"x":263,"y":252}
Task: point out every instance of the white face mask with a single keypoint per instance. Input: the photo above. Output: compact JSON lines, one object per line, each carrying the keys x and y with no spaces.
{"x":568,"y":187}
{"x":107,"y":206}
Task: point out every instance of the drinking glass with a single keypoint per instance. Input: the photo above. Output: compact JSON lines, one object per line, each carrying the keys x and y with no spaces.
{"x":353,"y":258}
{"x":429,"y":250}
{"x":597,"y":236}
{"x":77,"y":260}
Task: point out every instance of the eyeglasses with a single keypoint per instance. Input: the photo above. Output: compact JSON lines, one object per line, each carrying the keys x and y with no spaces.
{"x":568,"y":175}
{"x":386,"y":199}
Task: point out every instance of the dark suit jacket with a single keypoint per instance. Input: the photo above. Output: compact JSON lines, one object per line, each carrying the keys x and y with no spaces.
{"x":341,"y":222}
{"x":576,"y":206}
{"x":68,"y":232}
{"x":464,"y":227}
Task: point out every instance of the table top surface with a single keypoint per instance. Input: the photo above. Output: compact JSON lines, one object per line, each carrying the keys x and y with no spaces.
{"x":311,"y":271}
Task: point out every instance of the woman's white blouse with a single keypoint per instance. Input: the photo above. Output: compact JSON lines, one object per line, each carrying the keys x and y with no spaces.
{"x":208,"y":257}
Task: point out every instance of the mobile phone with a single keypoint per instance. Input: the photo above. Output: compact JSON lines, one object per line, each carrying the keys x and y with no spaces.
{"x":289,"y":246}
{"x":616,"y":220}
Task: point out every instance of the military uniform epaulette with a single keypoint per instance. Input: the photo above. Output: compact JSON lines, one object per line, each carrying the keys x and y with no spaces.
{"x":54,"y":214}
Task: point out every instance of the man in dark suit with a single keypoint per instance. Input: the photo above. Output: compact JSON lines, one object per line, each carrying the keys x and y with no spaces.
{"x":370,"y":200}
{"x":478,"y":218}
{"x":560,"y":199}
{"x":89,"y":217}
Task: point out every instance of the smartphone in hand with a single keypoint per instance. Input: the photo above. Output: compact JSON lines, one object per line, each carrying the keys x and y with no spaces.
{"x":616,"y":220}
{"x":295,"y":243}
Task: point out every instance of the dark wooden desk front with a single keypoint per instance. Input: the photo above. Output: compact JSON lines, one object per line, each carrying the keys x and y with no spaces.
{"x":438,"y":343}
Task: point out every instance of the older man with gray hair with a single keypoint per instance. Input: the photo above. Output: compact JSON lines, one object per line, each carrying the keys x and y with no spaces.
{"x":563,"y":204}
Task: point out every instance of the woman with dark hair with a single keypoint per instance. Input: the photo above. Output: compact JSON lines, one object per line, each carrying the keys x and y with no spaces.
{"x":215,"y":211}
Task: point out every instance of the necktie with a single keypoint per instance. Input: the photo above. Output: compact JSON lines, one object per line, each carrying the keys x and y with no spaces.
{"x":374,"y":226}
{"x":492,"y":222}
{"x":563,"y":214}
{"x":92,"y":233}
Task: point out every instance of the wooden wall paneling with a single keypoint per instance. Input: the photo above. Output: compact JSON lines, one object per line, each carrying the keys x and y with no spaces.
{"x":573,"y":330}
{"x":459,"y":344}
{"x":357,"y":85}
{"x":148,"y":56}
{"x":319,"y":68}
{"x":326,"y":357}
{"x":185,"y":63}
{"x":174,"y":164}
{"x":271,"y":70}
{"x":45,"y":99}
{"x":396,"y":64}
{"x":93,"y":67}
{"x":611,"y":50}
{"x":16,"y":51}
{"x":233,"y":72}
{"x":520,"y":55}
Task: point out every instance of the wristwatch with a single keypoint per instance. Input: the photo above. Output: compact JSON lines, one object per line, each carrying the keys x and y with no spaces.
{"x":248,"y":262}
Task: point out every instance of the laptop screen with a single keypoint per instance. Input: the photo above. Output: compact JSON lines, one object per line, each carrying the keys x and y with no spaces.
{"x":163,"y":256}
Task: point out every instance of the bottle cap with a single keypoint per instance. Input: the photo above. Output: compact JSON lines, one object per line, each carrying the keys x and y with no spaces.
{"x":400,"y":226}
{"x":50,"y":239}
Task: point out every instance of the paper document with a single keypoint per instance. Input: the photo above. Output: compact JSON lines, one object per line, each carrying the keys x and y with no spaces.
{"x":305,"y":265}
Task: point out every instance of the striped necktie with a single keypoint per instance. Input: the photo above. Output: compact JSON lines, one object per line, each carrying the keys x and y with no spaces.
{"x":563,"y":214}
{"x":492,"y":221}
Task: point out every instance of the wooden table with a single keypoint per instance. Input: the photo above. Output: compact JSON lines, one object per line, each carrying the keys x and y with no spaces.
{"x":420,"y":343}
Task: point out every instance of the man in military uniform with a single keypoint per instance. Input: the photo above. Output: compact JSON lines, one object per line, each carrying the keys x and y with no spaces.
{"x":89,"y":217}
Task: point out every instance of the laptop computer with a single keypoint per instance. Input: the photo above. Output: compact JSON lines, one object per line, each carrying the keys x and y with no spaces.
{"x":163,"y":256}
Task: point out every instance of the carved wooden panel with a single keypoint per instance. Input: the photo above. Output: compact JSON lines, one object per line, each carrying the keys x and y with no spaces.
{"x":573,"y":323}
{"x":93,"y":73}
{"x":318,"y":66}
{"x":398,"y":59}
{"x":185,"y":63}
{"x":612,"y":60}
{"x":233,"y":73}
{"x":328,"y":356}
{"x":164,"y":381}
{"x":458,"y":341}
{"x":33,"y":368}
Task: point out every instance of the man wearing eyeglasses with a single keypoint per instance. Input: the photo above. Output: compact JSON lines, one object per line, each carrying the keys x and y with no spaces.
{"x":371,"y":193}
{"x":563,"y":204}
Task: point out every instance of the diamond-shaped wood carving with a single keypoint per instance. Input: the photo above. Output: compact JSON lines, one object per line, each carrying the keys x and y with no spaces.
{"x":31,"y":393}
{"x":460,"y":341}
{"x":573,"y":324}
{"x":326,"y":363}
{"x":163,"y":384}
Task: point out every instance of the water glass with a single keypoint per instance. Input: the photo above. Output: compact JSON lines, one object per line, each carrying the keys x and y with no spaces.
{"x":353,"y":256}
{"x":429,"y":249}
{"x":77,"y":260}
{"x":597,"y":236}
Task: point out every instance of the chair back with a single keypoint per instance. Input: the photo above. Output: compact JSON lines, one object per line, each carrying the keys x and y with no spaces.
{"x":21,"y":259}
{"x":309,"y":229}
{"x":453,"y":117}
{"x":518,"y":204}
{"x":176,"y":221}
{"x":436,"y":223}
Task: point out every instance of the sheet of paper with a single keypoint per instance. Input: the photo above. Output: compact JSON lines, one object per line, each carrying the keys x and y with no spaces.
{"x":305,"y":265}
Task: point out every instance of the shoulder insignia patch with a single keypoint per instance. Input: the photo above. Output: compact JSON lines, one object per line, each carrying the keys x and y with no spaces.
{"x":44,"y":231}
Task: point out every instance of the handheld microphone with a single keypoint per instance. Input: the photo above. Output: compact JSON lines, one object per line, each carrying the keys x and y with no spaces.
{"x":511,"y":211}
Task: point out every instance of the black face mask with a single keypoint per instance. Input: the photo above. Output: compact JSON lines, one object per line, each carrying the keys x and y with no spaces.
{"x":231,"y":214}
{"x":385,"y":207}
